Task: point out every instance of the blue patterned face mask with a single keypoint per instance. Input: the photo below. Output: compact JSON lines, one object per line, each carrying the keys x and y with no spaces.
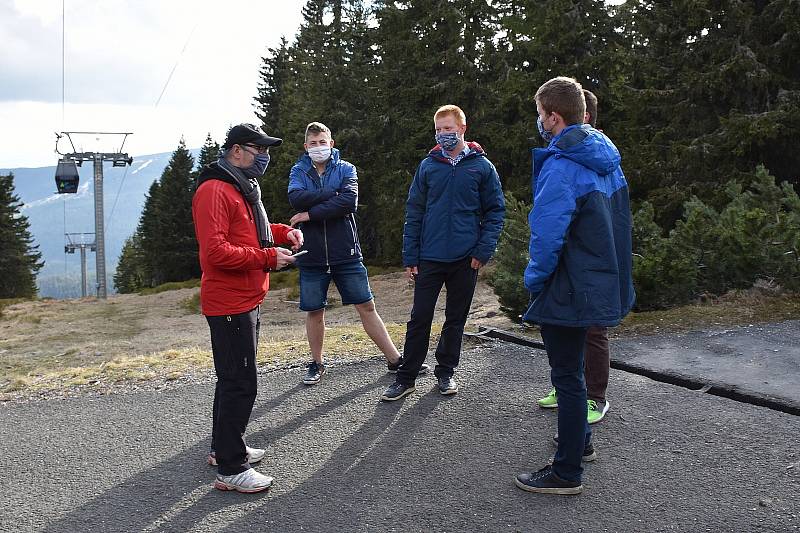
{"x":258,"y":167}
{"x":448,"y":141}
{"x":546,"y":135}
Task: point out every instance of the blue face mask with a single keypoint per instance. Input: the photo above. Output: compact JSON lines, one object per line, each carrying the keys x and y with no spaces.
{"x":448,"y":141}
{"x":259,"y":166}
{"x":546,"y":135}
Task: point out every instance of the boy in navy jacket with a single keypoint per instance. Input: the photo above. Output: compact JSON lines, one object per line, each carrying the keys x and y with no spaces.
{"x":454,"y":215}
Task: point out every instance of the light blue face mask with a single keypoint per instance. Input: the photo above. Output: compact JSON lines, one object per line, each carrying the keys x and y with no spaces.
{"x":258,"y":167}
{"x":448,"y":141}
{"x":546,"y":135}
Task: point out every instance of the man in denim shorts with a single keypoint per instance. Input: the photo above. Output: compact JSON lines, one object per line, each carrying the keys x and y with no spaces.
{"x":323,"y":188}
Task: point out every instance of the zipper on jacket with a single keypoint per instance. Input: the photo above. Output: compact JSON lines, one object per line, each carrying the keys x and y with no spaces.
{"x":317,"y":179}
{"x":452,"y":214}
{"x":325,"y":239}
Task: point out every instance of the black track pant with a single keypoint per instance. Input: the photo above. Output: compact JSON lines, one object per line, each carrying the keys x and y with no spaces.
{"x":234,"y":340}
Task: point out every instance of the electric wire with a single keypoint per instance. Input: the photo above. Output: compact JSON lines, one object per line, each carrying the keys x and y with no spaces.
{"x":63,"y":61}
{"x":110,"y":218}
{"x":158,"y":100}
{"x":65,"y":234}
{"x":63,"y":101}
{"x":175,"y":66}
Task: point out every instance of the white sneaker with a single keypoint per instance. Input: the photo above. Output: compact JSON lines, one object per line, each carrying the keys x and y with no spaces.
{"x":248,"y":481}
{"x":254,"y":455}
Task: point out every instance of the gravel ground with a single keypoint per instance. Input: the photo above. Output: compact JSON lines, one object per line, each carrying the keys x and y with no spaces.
{"x":670,"y":459}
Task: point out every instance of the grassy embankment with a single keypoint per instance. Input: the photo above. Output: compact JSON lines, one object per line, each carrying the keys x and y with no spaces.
{"x":51,"y":345}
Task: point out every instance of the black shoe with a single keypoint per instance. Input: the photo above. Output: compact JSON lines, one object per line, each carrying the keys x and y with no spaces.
{"x":545,"y":481}
{"x":396,"y":391}
{"x":392,"y":368}
{"x":588,"y":455}
{"x":314,"y":373}
{"x":448,"y":385}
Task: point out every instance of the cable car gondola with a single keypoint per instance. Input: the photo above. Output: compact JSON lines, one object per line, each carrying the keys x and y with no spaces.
{"x":67,"y":176}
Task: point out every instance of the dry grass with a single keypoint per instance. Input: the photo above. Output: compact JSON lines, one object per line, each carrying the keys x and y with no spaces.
{"x":51,"y":345}
{"x":736,"y":307}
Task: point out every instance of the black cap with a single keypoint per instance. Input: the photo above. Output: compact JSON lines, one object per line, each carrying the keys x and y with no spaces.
{"x":249,"y":134}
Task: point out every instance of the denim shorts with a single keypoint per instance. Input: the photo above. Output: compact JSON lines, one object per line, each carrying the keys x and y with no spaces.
{"x":350,"y":279}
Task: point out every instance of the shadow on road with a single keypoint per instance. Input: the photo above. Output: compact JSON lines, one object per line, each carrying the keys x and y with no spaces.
{"x":179,"y":489}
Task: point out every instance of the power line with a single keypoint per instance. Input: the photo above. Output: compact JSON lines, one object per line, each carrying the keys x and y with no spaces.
{"x":114,"y":206}
{"x":63,"y":56}
{"x":65,"y":232}
{"x":171,"y":72}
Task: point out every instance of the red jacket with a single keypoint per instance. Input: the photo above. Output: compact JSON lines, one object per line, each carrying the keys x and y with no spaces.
{"x":233,"y":264}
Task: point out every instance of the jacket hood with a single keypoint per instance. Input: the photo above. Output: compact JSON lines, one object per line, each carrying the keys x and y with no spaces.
{"x":474,"y":149}
{"x":588,"y":147}
{"x":305,"y":162}
{"x":213,"y":171}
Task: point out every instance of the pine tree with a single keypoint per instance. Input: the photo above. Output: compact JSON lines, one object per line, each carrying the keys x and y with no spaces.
{"x":428,"y":54}
{"x":174,"y":251}
{"x":321,"y":77}
{"x":146,"y":236}
{"x":19,"y":261}
{"x":130,"y":274}
{"x":710,"y":93}
{"x":209,"y":153}
{"x":541,"y":40}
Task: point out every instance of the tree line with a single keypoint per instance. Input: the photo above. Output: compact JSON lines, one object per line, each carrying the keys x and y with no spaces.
{"x":701,"y":97}
{"x":163,"y":247}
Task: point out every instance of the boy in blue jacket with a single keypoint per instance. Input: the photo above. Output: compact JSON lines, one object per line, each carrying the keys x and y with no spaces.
{"x":579,"y":272}
{"x":597,"y":357}
{"x":324,"y":189}
{"x":454,"y":215}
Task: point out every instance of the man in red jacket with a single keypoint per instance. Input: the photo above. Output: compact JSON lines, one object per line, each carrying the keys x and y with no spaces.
{"x":236,"y":253}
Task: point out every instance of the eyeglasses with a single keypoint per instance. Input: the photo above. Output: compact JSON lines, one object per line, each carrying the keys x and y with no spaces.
{"x":259,"y":149}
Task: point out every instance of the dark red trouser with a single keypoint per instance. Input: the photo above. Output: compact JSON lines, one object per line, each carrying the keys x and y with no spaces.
{"x":596,"y":362}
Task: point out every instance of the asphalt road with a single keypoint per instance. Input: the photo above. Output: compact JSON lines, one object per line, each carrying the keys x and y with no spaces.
{"x":670,"y":459}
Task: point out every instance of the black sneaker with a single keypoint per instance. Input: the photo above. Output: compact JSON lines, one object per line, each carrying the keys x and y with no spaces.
{"x":545,"y":481}
{"x":314,"y":373}
{"x":396,"y":391}
{"x":588,"y":455}
{"x":392,"y":368}
{"x":448,"y":386}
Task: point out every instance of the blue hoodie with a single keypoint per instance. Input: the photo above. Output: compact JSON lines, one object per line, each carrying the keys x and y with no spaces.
{"x":579,"y":272}
{"x":330,"y":235}
{"x":453,"y":211}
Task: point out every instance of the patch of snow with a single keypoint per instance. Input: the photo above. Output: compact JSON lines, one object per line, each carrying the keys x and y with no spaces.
{"x":143,"y":165}
{"x":83,"y":190}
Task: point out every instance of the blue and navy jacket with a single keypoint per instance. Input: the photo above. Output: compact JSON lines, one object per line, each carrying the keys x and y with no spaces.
{"x":453,"y":211}
{"x":579,"y":272}
{"x":330,"y":235}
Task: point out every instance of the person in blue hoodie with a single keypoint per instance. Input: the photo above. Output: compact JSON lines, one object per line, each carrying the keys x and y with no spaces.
{"x":323,"y":188}
{"x":597,"y":356}
{"x":579,"y":272}
{"x":454,"y":215}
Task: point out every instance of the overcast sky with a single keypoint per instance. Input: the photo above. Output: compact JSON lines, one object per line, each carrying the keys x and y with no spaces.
{"x":118,"y":57}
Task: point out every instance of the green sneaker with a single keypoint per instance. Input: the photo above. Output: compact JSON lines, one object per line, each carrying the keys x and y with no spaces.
{"x":550,"y":401}
{"x":596,"y":411}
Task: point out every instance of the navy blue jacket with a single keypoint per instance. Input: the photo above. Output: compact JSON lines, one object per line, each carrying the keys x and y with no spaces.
{"x":330,"y":235}
{"x":453,"y":212}
{"x":579,"y":273}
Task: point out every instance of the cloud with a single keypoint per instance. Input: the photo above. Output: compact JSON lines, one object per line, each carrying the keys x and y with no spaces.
{"x":118,"y":57}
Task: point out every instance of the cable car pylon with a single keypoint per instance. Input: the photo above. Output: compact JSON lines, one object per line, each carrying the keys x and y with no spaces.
{"x":67,"y":181}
